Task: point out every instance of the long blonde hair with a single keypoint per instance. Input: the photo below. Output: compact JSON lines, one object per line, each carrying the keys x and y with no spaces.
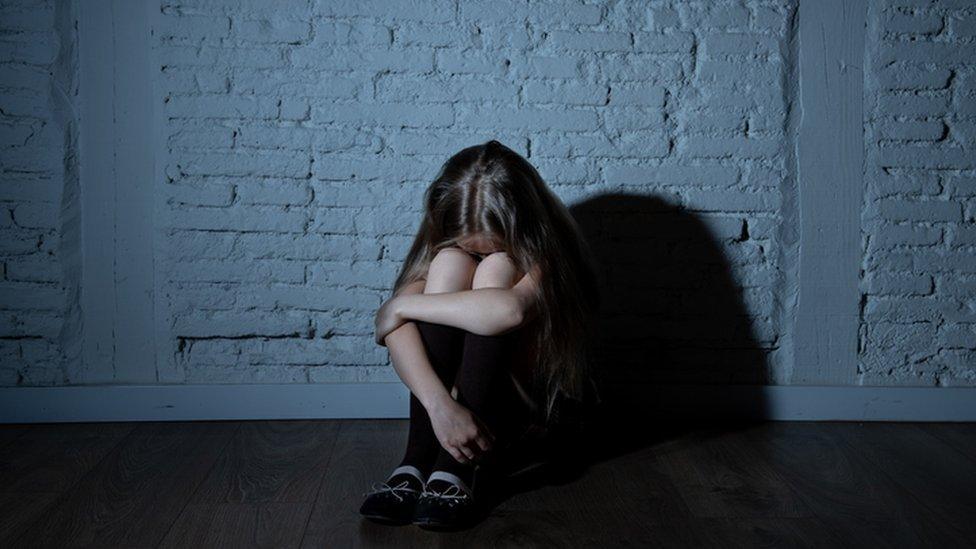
{"x":491,"y":189}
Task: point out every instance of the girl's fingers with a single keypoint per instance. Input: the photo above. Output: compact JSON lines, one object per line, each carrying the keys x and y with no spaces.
{"x":457,"y":455}
{"x":467,"y":453}
{"x":483,"y":444}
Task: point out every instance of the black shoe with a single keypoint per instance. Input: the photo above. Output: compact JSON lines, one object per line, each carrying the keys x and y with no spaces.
{"x":446,"y":508}
{"x":394,"y":501}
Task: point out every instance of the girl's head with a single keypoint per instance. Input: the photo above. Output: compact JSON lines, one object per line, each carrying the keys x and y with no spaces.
{"x":488,"y":198}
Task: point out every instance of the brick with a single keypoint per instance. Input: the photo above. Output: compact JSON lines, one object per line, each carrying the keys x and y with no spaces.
{"x":398,"y":88}
{"x":729,"y":147}
{"x":963,"y":26}
{"x":739,"y":44}
{"x":914,"y":105}
{"x":412,"y":33}
{"x":662,"y":18}
{"x":590,"y":40}
{"x":909,"y":156}
{"x":917,"y":210}
{"x":355,"y":59}
{"x":565,"y":94}
{"x":670,"y":175}
{"x":265,"y":163}
{"x":912,"y":130}
{"x":729,"y":201}
{"x":548,"y":67}
{"x":632,"y":118}
{"x":435,"y":11}
{"x":736,"y":73}
{"x":899,"y":284}
{"x":33,"y":269}
{"x":281,"y":193}
{"x":388,"y":114}
{"x":221,"y":106}
{"x":469,"y":63}
{"x":907,"y":235}
{"x":630,"y":94}
{"x":535,"y":118}
{"x":273,"y":30}
{"x":899,"y":76}
{"x":925,"y":23}
{"x":197,"y":192}
{"x":239,"y":219}
{"x":675,"y":42}
{"x":509,"y":11}
{"x":725,"y":16}
{"x":36,"y":215}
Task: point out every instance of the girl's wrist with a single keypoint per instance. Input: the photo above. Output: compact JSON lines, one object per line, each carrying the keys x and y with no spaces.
{"x":438,"y":402}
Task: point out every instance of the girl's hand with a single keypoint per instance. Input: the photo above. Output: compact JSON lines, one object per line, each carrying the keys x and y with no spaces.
{"x":460,"y":432}
{"x":387,"y":320}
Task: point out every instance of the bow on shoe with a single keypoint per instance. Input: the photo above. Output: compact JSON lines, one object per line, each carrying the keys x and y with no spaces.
{"x":384,"y":487}
{"x":452,"y":494}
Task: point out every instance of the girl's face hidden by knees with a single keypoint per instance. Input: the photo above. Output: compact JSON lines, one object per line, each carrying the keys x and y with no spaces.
{"x":479,"y":245}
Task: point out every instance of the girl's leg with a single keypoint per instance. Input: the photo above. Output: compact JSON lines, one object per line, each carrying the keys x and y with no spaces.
{"x":483,"y":381}
{"x":444,"y":345}
{"x":451,"y":270}
{"x":485,"y":387}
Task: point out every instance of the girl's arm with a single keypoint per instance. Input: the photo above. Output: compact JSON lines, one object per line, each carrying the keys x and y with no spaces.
{"x":457,"y":429}
{"x":410,"y":358}
{"x":483,"y":311}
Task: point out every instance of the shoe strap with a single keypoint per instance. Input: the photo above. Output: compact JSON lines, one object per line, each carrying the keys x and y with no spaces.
{"x":453,"y":479}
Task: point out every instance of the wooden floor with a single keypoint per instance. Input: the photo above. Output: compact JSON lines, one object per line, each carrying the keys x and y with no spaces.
{"x":300,"y":483}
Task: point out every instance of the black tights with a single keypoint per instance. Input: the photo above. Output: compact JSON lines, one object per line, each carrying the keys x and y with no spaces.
{"x":478,"y":366}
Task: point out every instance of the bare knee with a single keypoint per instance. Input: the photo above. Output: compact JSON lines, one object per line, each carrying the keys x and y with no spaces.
{"x":496,"y":270}
{"x":451,"y":270}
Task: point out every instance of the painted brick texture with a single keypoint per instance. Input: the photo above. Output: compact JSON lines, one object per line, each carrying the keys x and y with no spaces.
{"x":35,"y":157}
{"x":301,"y":138}
{"x":298,"y":136}
{"x":919,"y":241}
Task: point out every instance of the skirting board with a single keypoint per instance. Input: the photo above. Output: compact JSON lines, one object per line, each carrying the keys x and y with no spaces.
{"x":390,"y":400}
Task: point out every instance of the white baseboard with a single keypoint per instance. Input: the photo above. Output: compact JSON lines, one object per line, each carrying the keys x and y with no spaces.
{"x":390,"y":400}
{"x":809,"y":403}
{"x":203,"y":402}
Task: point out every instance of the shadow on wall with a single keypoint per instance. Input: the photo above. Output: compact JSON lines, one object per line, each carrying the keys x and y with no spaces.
{"x":672,"y":319}
{"x":673,"y":333}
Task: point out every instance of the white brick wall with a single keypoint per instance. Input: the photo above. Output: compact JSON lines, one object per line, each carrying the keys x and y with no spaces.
{"x":35,"y":137}
{"x":919,"y":325}
{"x":298,"y":137}
{"x":300,"y":141}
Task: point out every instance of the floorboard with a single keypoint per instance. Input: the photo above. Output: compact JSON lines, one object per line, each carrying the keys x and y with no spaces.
{"x":271,"y":461}
{"x":849,"y":494}
{"x":719,"y":475}
{"x":10,"y":432}
{"x":133,"y":495}
{"x":937,"y":475}
{"x":38,"y":463}
{"x":961,"y":436}
{"x":299,"y":483}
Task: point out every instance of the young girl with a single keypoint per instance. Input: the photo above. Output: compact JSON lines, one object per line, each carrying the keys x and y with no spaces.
{"x":487,"y":326}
